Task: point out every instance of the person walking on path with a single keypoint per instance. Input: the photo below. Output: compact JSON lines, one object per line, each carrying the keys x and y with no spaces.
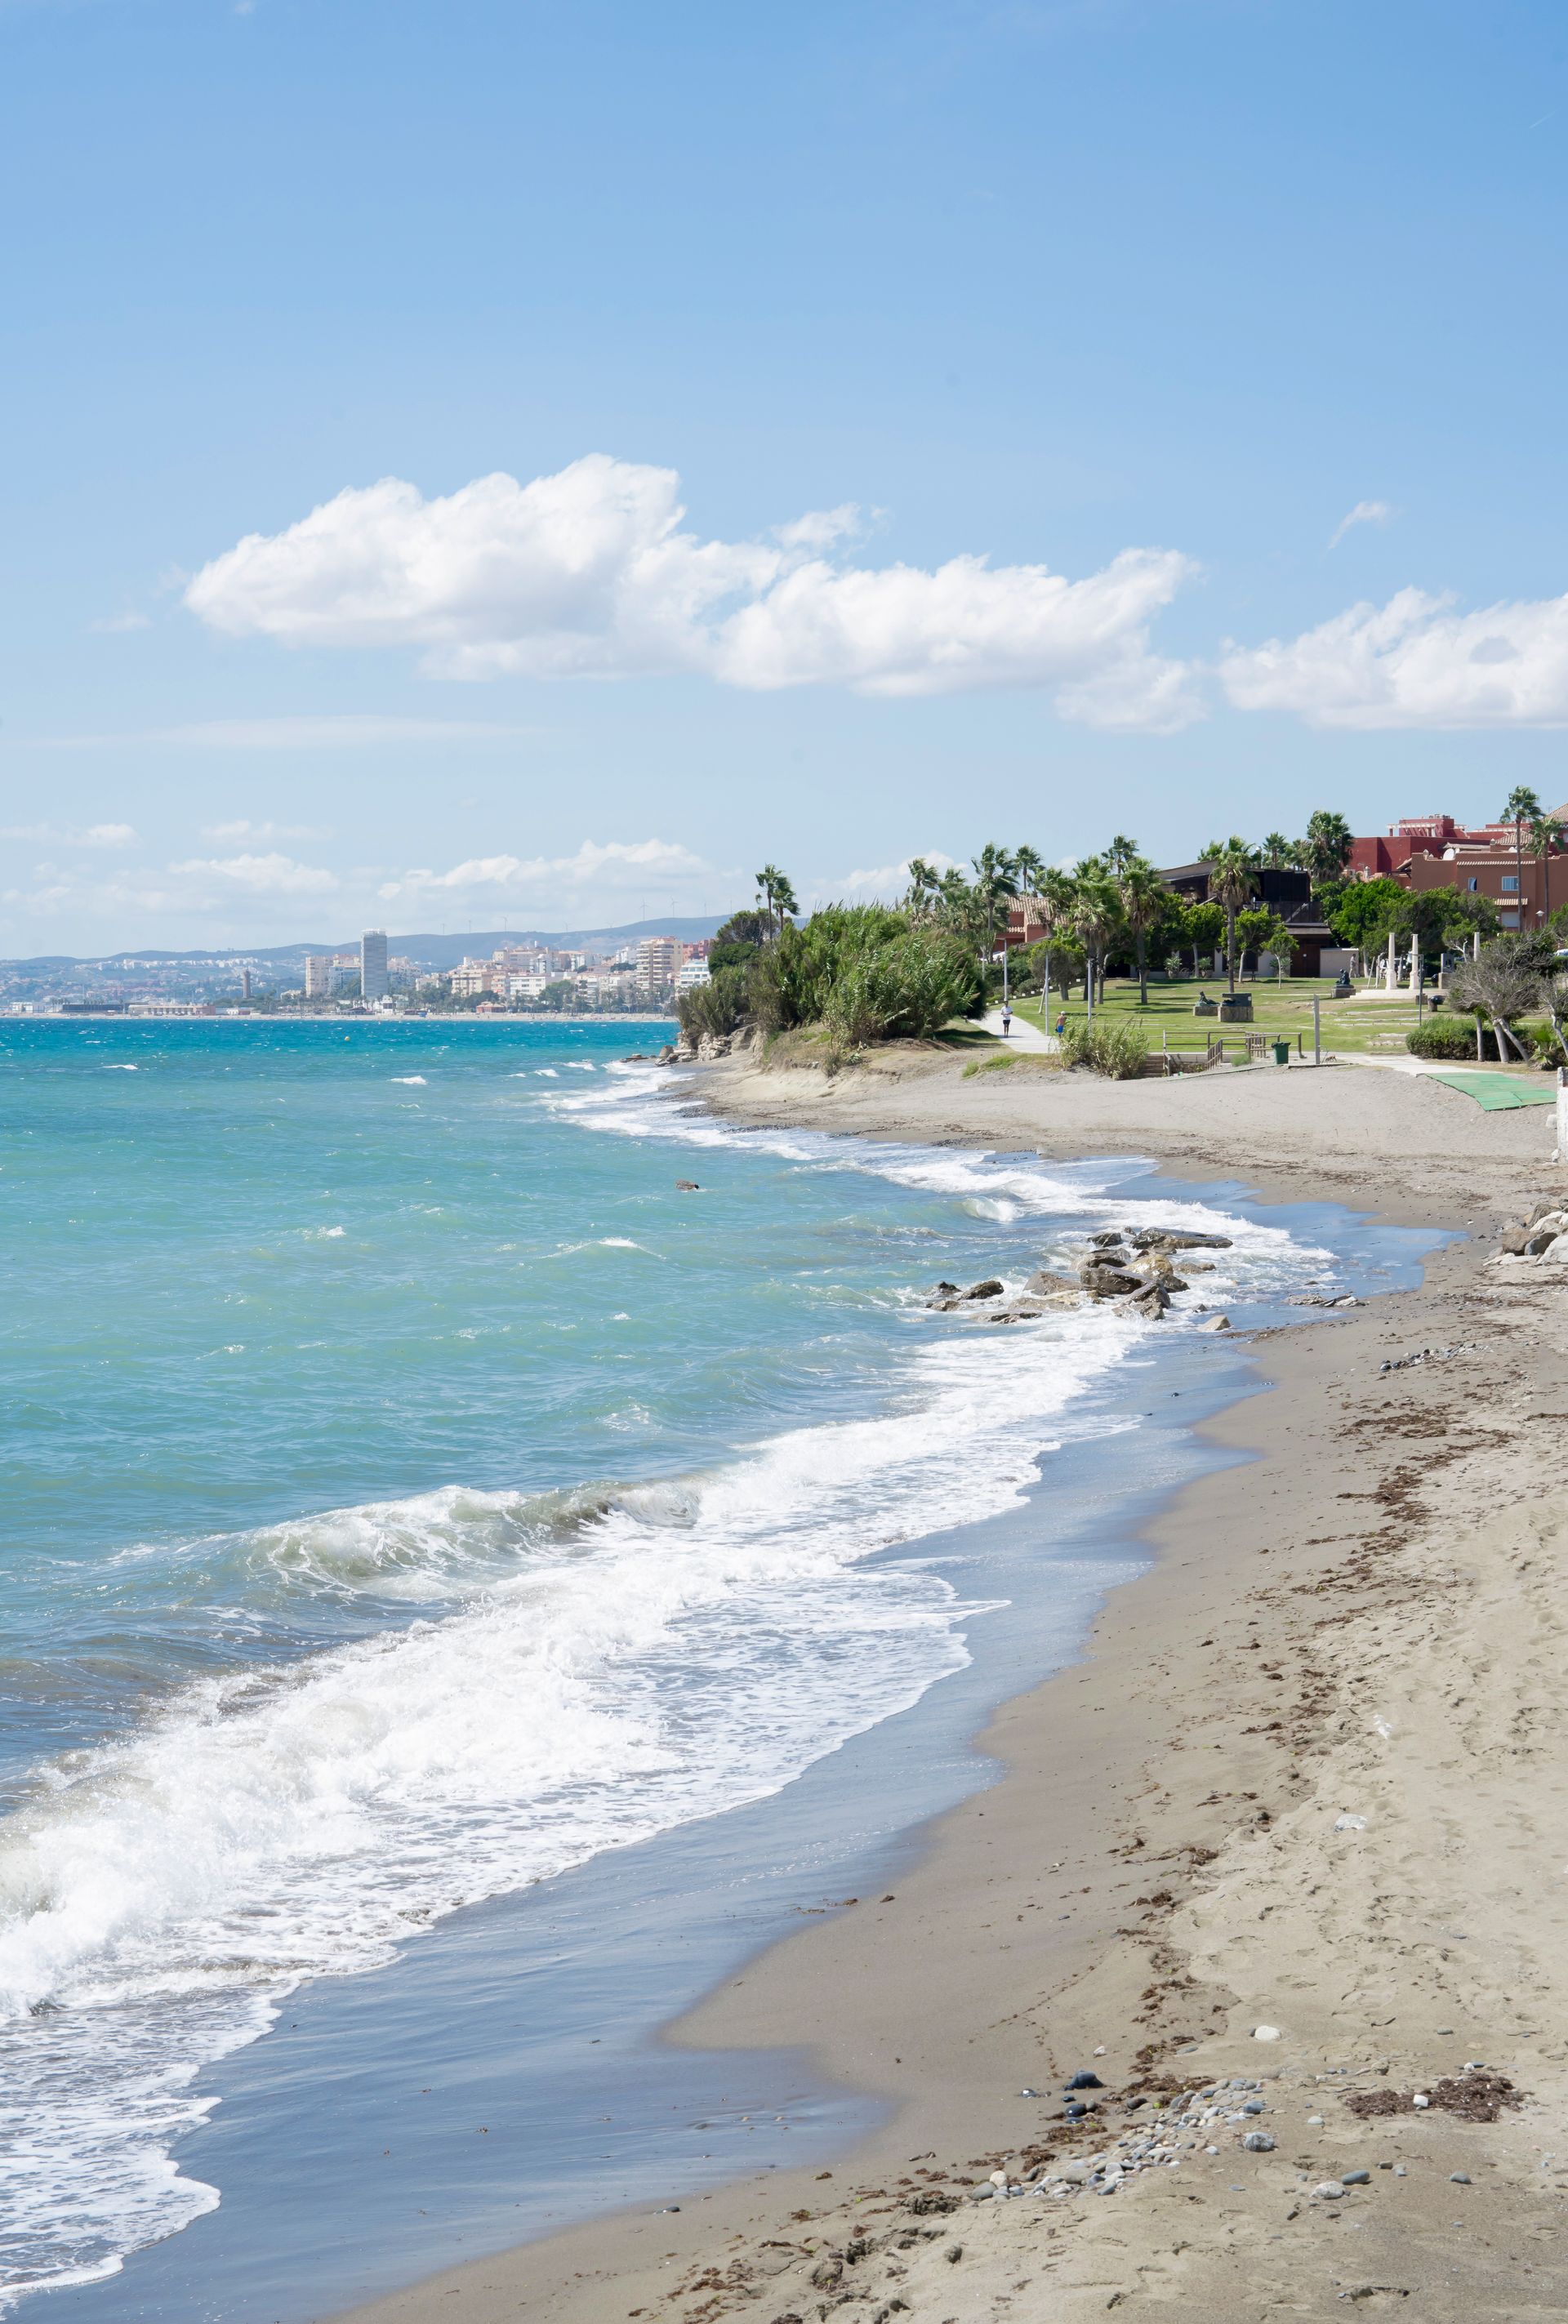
{"x":1006,"y":1019}
{"x":1060,"y":1027}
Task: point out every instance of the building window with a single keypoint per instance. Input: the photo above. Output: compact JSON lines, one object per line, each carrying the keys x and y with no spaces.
{"x":1509,"y":920}
{"x":1510,"y":884}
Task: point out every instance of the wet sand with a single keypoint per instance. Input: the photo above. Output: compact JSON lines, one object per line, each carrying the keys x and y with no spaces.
{"x":1366,"y":1619}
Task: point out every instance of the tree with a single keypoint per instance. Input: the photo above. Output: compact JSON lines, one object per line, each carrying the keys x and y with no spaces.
{"x":1121,"y":853}
{"x":1096,"y":916}
{"x":922,"y":900}
{"x":993,"y":886}
{"x":1202,"y":927}
{"x":1050,"y":909}
{"x":1263,"y":930}
{"x":1143,"y":896}
{"x":1545,"y":839}
{"x":777,"y":896}
{"x":1233,"y":872}
{"x":1501,"y":982}
{"x":1326,"y":849}
{"x":1277,"y":852}
{"x":1522,"y":806}
{"x":1363,"y":914}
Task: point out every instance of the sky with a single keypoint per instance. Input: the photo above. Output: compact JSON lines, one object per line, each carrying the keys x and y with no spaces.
{"x":472,"y":463}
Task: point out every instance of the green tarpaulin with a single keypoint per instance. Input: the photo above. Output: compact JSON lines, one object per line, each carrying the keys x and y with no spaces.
{"x":1497,"y":1091}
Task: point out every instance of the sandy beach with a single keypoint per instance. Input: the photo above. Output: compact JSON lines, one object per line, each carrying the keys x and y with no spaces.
{"x":1308,"y":1777}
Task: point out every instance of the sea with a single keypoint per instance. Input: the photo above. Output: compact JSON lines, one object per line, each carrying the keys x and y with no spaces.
{"x":464,"y":1591}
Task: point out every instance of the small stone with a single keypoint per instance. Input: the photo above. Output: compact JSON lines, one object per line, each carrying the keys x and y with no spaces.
{"x":1253,"y":2105}
{"x":1357,"y":2179}
{"x":1328,"y":2191}
{"x":1085,"y":2081}
{"x":1351,"y":1823}
{"x":1459,"y":2178}
{"x":1258,"y":2142}
{"x":991,"y":1287}
{"x":1266,"y":2033}
{"x":1401,"y":2172}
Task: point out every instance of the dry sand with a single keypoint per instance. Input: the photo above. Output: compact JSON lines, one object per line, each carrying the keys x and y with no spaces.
{"x":1368,"y":1619}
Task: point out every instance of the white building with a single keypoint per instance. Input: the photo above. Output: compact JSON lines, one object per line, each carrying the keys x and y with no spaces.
{"x":318,"y":967}
{"x":372,"y":977}
{"x":693,"y":972}
{"x":659,"y":962}
{"x":471,"y":978}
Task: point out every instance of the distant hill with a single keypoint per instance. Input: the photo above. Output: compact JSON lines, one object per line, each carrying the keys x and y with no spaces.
{"x":430,"y":949}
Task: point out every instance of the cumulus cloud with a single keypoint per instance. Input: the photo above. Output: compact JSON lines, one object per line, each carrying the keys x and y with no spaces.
{"x":589,"y":574}
{"x":95,"y":835}
{"x":617,"y":864}
{"x":1414,"y":662}
{"x":1363,"y":512}
{"x":886,"y":882}
{"x":260,"y":875}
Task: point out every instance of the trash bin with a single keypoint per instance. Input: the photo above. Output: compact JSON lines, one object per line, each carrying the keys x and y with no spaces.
{"x":1282,"y":1053}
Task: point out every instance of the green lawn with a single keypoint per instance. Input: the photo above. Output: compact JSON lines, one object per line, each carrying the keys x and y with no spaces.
{"x":1374,"y":1027}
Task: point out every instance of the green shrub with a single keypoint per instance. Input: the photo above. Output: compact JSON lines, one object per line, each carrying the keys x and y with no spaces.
{"x":1449,"y":1036}
{"x":1115,"y":1046}
{"x":717,"y":1007}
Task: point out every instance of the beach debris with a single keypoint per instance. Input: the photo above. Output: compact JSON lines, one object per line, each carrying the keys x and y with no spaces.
{"x":1424,"y":1356}
{"x":1316,"y":1299}
{"x":687,"y":1187}
{"x":1474,"y":2096}
{"x":1351,"y":1823}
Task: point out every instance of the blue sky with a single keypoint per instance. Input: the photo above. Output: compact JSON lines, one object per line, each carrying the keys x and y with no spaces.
{"x":1014,"y":366}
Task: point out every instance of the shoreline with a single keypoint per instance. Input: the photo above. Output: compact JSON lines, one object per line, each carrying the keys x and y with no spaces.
{"x":1027,"y":1944}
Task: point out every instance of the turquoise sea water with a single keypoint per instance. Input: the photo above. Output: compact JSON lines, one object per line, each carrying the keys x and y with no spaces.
{"x":410,"y":1496}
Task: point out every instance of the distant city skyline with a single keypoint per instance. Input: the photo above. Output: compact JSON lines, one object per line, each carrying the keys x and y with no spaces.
{"x":938,"y":424}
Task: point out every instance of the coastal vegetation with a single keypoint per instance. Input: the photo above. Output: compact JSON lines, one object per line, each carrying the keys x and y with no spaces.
{"x":848,"y":976}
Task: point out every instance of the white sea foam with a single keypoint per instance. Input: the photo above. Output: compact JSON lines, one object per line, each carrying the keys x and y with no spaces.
{"x":323,"y":1234}
{"x":622,"y":1660}
{"x":160,"y":1895}
{"x":411,"y":1081}
{"x":121,"y":1069}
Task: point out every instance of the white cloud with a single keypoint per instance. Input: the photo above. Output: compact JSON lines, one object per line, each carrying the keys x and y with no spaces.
{"x":116,"y":624}
{"x":1415,"y":662}
{"x":886,"y":883}
{"x":233,"y":832}
{"x":260,"y":875}
{"x":638,"y":863}
{"x":96,"y":834}
{"x":587,"y":573}
{"x":1363,"y":512}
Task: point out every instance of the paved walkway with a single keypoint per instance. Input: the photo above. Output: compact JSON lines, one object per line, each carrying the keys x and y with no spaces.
{"x":1024,"y":1036}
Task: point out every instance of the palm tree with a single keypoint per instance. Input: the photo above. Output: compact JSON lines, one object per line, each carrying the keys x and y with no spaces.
{"x":1277,"y":852}
{"x":922,"y":899}
{"x":1096,"y":913}
{"x":1233,"y":871}
{"x":1523,"y":806}
{"x":1545,"y":838}
{"x":778,"y":895}
{"x":1121,"y":853}
{"x":1029,"y":867}
{"x":1326,"y":849}
{"x":1143,"y":896}
{"x":994,"y":886}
